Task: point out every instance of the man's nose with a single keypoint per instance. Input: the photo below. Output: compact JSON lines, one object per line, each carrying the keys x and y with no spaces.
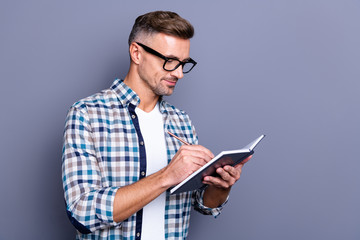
{"x":178,"y":72}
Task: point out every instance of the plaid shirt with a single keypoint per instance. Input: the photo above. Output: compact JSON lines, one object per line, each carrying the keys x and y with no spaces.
{"x":104,"y":150}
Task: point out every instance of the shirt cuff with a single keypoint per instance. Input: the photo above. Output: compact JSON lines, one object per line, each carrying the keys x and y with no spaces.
{"x":104,"y":204}
{"x":200,"y":207}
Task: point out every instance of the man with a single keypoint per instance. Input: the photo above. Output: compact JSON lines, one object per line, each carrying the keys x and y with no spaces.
{"x":119,"y":161}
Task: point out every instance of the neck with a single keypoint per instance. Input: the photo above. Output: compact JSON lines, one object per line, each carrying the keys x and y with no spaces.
{"x":148,"y":99}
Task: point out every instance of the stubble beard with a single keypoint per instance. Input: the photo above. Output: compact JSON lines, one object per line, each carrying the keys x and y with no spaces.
{"x":161,"y":89}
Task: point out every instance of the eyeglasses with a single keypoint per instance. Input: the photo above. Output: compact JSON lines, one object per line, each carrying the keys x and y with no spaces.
{"x":171,"y":64}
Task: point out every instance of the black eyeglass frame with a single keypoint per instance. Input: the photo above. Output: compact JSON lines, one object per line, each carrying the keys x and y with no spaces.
{"x":156,"y":53}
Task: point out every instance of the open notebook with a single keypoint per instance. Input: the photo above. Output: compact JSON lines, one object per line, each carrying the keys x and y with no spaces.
{"x":194,"y":181}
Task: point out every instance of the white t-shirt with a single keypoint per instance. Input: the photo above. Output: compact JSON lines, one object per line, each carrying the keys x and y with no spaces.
{"x":152,"y":130}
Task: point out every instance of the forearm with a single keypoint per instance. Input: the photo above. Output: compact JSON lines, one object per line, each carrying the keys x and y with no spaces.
{"x":132,"y":198}
{"x":213,"y":197}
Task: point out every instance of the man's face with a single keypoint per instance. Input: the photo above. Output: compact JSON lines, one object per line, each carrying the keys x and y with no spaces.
{"x":151,"y":70}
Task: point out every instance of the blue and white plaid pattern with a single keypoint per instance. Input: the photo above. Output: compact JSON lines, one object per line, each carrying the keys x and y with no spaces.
{"x":101,"y":154}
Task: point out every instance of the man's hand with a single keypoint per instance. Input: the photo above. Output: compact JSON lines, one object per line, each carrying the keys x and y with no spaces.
{"x":228,"y":175}
{"x":187,"y":160}
{"x":219,"y":187}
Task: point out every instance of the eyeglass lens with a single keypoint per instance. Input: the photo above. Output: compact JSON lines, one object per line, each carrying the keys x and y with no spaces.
{"x":172,"y":64}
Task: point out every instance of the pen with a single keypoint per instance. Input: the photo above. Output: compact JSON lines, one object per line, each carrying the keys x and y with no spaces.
{"x":181,"y":140}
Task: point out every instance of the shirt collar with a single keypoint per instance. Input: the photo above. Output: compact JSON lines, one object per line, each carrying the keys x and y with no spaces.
{"x":124,"y":93}
{"x":163,"y":105}
{"x":127,"y":96}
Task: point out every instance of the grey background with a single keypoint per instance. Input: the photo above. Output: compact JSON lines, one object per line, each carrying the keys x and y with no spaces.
{"x":285,"y":68}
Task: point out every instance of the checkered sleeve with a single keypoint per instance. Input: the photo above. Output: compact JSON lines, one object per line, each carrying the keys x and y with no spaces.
{"x":89,"y":204}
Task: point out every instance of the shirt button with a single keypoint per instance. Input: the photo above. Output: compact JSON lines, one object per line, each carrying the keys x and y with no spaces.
{"x":133,"y":116}
{"x":142,"y":173}
{"x":138,"y":234}
{"x":141,"y":143}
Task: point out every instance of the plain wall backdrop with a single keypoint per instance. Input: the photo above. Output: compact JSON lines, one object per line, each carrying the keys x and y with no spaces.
{"x":286,"y":68}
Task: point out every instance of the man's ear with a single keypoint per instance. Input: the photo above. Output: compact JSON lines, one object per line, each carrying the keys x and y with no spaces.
{"x":135,"y":54}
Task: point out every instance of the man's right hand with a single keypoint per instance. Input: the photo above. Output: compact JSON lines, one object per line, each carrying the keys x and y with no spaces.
{"x":187,"y":160}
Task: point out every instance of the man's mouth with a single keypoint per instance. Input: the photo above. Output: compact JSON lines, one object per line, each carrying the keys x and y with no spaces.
{"x":171,"y":82}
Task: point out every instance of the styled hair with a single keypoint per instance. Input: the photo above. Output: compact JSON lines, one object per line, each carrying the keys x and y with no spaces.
{"x":166,"y":22}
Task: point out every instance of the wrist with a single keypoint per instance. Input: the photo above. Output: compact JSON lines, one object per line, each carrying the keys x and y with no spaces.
{"x":164,"y":179}
{"x":215,"y":196}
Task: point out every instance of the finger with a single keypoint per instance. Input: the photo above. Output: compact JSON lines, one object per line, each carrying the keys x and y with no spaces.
{"x":242,"y":163}
{"x":206,"y":151}
{"x":225,"y":175}
{"x":197,"y":154}
{"x":234,"y":172}
{"x":190,"y":159}
{"x":195,"y":151}
{"x":246,"y":159}
{"x":217,"y":182}
{"x":199,"y":148}
{"x":197,"y":161}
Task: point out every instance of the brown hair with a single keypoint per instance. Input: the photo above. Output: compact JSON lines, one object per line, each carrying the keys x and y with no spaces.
{"x":161,"y":22}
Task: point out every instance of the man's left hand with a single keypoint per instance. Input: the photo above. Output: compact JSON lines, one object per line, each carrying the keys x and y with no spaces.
{"x":228,"y":176}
